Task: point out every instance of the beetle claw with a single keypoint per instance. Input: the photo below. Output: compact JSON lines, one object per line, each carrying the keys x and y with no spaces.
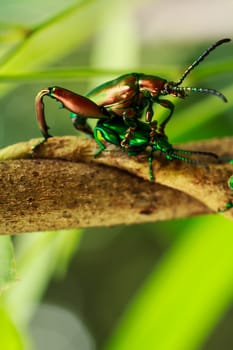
{"x":35,"y":148}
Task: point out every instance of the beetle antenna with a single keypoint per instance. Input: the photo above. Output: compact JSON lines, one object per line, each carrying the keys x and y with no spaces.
{"x":177,"y":154}
{"x":177,"y":89}
{"x":201,"y":58}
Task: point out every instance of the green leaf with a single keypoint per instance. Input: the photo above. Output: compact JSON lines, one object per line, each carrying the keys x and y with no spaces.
{"x":186,"y":295}
{"x":10,"y":339}
{"x":42,"y":46}
{"x":38,"y":257}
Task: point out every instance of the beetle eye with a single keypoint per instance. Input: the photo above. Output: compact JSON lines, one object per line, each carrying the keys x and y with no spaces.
{"x":166,"y":89}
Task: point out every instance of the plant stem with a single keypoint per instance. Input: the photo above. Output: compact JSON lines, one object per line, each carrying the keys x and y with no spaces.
{"x":64,"y":186}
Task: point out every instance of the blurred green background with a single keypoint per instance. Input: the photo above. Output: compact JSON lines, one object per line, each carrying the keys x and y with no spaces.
{"x":162,"y":286}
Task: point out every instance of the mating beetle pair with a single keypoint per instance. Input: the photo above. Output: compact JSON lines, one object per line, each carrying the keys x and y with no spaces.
{"x":121,"y":103}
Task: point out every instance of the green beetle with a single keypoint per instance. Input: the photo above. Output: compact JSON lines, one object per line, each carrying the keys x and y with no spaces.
{"x":113,"y":131}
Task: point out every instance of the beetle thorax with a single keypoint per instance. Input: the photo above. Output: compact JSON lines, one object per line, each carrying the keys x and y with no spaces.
{"x":151,"y":84}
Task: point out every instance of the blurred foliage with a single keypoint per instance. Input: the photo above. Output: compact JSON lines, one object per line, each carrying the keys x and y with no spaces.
{"x":162,"y":286}
{"x":7,"y":263}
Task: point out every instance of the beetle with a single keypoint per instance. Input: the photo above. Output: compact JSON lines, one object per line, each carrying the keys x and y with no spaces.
{"x":113,"y":131}
{"x":127,"y":97}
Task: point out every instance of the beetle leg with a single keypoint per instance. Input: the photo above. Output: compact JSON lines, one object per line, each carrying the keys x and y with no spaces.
{"x":98,"y":141}
{"x":80,"y":123}
{"x":129,"y":132}
{"x":128,"y":136}
{"x":153,"y":128}
{"x":167,"y":104}
{"x":80,"y":107}
{"x":149,"y":112}
{"x":150,"y":162}
{"x":39,"y":104}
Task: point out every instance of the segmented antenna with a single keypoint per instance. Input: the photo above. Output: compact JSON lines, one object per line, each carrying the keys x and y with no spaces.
{"x":197,"y":89}
{"x":176,"y":153}
{"x":201,"y":58}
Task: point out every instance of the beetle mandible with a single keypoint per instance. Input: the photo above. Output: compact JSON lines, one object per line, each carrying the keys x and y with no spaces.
{"x":128,"y":97}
